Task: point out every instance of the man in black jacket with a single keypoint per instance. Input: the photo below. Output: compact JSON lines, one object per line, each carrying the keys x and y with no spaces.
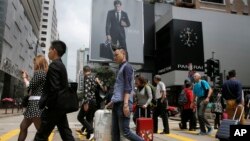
{"x":117,"y":19}
{"x":55,"y":85}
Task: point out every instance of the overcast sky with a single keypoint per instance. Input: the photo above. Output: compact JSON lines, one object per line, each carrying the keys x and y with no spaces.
{"x":74,"y":28}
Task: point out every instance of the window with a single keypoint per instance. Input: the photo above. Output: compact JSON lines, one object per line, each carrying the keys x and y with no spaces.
{"x":44,"y":32}
{"x":46,"y":2}
{"x":214,"y":1}
{"x":46,"y":8}
{"x":45,"y":14}
{"x":44,"y":26}
{"x":43,"y":39}
{"x":45,"y":20}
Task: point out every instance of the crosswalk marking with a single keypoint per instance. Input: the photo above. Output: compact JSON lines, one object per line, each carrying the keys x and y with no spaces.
{"x":179,"y":137}
{"x":10,"y":134}
{"x":7,"y":136}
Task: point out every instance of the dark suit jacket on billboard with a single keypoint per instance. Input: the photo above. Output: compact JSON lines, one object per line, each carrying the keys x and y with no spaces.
{"x":115,"y":29}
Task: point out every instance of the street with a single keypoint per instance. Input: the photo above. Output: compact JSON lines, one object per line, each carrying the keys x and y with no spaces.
{"x":9,"y":130}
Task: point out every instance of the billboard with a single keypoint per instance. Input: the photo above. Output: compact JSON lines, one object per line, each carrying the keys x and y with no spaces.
{"x":117,"y":23}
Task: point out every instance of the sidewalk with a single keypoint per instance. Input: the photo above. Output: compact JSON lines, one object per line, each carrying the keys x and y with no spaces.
{"x":10,"y":112}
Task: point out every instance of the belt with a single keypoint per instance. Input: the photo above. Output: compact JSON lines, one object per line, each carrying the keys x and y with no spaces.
{"x":34,"y":97}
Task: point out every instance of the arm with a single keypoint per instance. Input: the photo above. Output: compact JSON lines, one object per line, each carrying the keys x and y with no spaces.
{"x":108,"y":23}
{"x":125,"y":20}
{"x":239,"y":93}
{"x":128,"y":77}
{"x":150,"y":97}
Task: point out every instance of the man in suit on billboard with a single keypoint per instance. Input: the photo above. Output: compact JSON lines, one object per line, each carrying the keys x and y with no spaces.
{"x":116,"y":22}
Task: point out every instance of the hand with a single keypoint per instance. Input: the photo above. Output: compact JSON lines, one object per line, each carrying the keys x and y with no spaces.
{"x":126,"y":111}
{"x":144,"y":106}
{"x":108,"y":105}
{"x":86,"y":107}
{"x":123,"y":23}
{"x":108,"y":37}
{"x":206,"y":100}
{"x":24,"y":74}
{"x":97,"y":80}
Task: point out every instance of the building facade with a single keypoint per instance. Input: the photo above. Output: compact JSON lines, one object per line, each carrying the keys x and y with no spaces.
{"x":48,"y":26}
{"x":19,"y":26}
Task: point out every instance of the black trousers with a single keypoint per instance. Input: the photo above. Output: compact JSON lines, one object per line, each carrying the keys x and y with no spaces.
{"x":161,"y":110}
{"x":86,"y":117}
{"x":188,"y":115}
{"x":50,"y":119}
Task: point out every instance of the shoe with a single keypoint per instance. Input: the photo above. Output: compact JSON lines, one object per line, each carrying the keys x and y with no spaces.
{"x":209,"y":130}
{"x":91,"y":137}
{"x":202,"y":133}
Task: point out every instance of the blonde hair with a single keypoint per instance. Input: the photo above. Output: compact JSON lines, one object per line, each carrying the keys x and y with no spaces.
{"x":40,"y":63}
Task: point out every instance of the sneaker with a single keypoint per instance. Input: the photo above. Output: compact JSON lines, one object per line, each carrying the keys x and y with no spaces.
{"x":209,"y":130}
{"x":201,"y":133}
{"x":91,"y":137}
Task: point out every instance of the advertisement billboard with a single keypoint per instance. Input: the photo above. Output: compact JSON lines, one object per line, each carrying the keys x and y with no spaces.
{"x":117,"y":23}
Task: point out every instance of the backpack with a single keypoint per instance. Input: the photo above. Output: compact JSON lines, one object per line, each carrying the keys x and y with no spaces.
{"x":182,"y":99}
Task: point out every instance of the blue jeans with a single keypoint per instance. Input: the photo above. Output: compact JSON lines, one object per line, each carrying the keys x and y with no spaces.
{"x":119,"y":121}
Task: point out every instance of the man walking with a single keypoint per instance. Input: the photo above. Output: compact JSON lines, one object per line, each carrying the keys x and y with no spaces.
{"x":56,"y":84}
{"x":202,"y":91}
{"x":161,"y":108}
{"x":122,"y":99}
{"x":232,"y":92}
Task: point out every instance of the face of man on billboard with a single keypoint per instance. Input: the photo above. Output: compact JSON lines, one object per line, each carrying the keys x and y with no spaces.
{"x":118,"y":7}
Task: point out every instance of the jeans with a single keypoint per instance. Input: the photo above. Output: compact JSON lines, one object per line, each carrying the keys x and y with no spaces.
{"x":120,"y":123}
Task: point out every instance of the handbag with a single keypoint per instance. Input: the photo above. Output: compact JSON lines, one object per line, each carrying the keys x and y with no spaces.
{"x":217,"y":106}
{"x":25,"y":101}
{"x":106,"y":50}
{"x":67,"y":101}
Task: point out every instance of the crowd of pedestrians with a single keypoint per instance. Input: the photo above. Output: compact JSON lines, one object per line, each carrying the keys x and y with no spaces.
{"x":51,"y":81}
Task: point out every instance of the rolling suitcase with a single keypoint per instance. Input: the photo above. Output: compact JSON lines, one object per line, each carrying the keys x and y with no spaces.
{"x":106,"y":51}
{"x":144,"y":127}
{"x":223,"y":133}
{"x":102,"y":125}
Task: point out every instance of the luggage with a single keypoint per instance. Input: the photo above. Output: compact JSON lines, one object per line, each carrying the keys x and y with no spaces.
{"x":223,"y":132}
{"x":144,"y":127}
{"x":102,"y":125}
{"x":106,"y":51}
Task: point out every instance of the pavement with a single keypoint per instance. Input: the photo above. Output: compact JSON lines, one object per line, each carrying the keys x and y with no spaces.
{"x":10,"y":112}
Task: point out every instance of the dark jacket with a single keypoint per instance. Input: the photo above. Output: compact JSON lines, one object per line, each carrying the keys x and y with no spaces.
{"x":232,"y":89}
{"x":56,"y":83}
{"x":113,"y":27}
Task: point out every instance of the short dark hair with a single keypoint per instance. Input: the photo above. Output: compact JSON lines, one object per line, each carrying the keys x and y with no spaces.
{"x":231,"y":73}
{"x":117,"y":2}
{"x":60,"y":47}
{"x":86,"y":69}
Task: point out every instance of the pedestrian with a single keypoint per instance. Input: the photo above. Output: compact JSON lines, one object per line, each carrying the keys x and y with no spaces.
{"x":161,"y":106}
{"x":56,"y":84}
{"x":232,"y":93}
{"x":220,"y":105}
{"x":247,"y":105}
{"x":89,"y":106}
{"x":188,"y":112}
{"x":122,"y":99}
{"x":202,"y":91}
{"x":35,"y":88}
{"x":143,"y":98}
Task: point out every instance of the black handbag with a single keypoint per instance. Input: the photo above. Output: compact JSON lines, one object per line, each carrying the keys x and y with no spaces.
{"x":106,"y":51}
{"x":68,"y":100}
{"x":25,"y":101}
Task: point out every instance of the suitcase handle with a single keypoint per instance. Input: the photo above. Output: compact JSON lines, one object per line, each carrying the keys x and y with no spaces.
{"x":242,"y":110}
{"x":146,"y":111}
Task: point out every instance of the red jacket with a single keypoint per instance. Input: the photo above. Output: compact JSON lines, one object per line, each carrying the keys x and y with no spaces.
{"x":189,"y":94}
